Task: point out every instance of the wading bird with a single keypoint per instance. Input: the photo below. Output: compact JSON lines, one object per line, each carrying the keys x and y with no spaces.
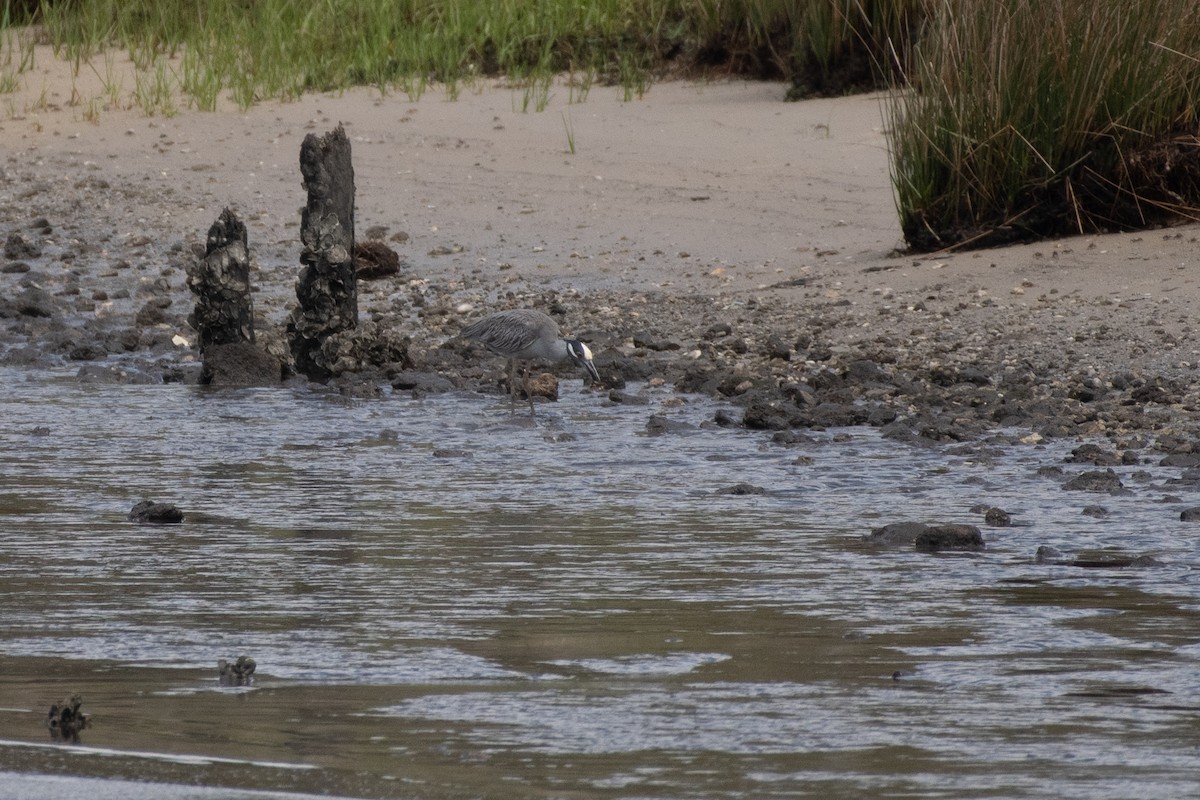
{"x":523,"y":334}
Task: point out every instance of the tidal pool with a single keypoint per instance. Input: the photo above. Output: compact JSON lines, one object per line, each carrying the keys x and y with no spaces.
{"x":446,"y":601}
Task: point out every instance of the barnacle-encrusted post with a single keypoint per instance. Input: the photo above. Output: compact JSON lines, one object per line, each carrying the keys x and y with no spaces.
{"x":326,"y":289}
{"x":224,"y":312}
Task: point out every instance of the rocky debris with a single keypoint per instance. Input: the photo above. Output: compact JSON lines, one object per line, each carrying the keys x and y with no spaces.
{"x":17,"y":247}
{"x":776,"y":347}
{"x":767,"y":414}
{"x":421,"y":383}
{"x":364,"y":356}
{"x":942,"y":363}
{"x":1094,"y":454}
{"x":155,"y":513}
{"x":947,"y":376}
{"x":648,"y":340}
{"x":926,"y":537}
{"x":1095,"y":481}
{"x":29,"y":302}
{"x":1186,"y":460}
{"x":238,"y":673}
{"x":66,"y":721}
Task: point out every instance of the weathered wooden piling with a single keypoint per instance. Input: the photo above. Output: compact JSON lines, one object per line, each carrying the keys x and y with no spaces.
{"x":224,"y":312}
{"x":326,"y":288}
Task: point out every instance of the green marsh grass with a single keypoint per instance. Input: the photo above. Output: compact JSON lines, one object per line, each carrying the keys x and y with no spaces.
{"x":155,"y":89}
{"x":16,"y":53}
{"x":279,"y":49}
{"x":1032,"y":118}
{"x":569,"y":127}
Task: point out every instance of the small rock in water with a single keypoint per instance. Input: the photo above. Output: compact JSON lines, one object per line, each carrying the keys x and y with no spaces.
{"x":1095,"y":559}
{"x":239,"y":673}
{"x":1095,"y":481}
{"x":659,"y":424}
{"x":725,"y":419}
{"x":157,"y":513}
{"x":65,"y":720}
{"x":765,"y":415}
{"x":997,"y":517}
{"x":949,"y":537}
{"x":742,"y":489}
{"x":625,"y":398}
{"x":1190,"y":514}
{"x":1093,"y":454}
{"x":1095,"y":511}
{"x":1048,"y":555}
{"x":927,"y":538}
{"x":896,"y":534}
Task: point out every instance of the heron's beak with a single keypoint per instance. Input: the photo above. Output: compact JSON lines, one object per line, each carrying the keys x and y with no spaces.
{"x":591,"y":368}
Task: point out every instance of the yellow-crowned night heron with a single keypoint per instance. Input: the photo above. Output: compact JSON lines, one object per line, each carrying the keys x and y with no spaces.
{"x":522,"y":334}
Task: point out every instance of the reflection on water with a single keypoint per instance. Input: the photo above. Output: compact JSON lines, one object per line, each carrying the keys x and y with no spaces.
{"x":443,"y":603}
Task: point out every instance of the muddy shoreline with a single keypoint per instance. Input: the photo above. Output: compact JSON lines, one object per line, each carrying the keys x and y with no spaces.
{"x":803,"y":317}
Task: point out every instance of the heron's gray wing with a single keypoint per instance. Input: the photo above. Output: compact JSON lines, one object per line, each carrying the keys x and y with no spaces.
{"x":510,"y":332}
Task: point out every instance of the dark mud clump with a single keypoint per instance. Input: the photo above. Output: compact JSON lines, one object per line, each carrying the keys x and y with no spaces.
{"x":236,"y":673}
{"x":66,"y":721}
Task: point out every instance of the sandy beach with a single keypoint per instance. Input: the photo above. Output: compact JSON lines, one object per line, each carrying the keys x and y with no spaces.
{"x":676,"y":212}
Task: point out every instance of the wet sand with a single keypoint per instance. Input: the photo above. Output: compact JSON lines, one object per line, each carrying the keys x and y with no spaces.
{"x":698,"y":204}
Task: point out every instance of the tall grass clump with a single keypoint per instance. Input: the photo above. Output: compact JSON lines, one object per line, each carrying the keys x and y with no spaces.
{"x":1031,"y":118}
{"x":16,"y":46}
{"x":260,"y":49}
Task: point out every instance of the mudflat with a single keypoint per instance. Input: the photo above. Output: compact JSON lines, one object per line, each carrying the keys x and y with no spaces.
{"x":707,"y":234}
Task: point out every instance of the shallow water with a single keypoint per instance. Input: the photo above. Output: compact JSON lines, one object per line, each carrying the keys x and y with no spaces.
{"x":445,"y":601}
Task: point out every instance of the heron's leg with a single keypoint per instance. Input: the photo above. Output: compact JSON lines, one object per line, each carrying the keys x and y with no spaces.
{"x":512,"y":385}
{"x":525,"y":386}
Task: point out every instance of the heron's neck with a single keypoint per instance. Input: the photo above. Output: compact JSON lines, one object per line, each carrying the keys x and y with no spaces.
{"x":559,"y":350}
